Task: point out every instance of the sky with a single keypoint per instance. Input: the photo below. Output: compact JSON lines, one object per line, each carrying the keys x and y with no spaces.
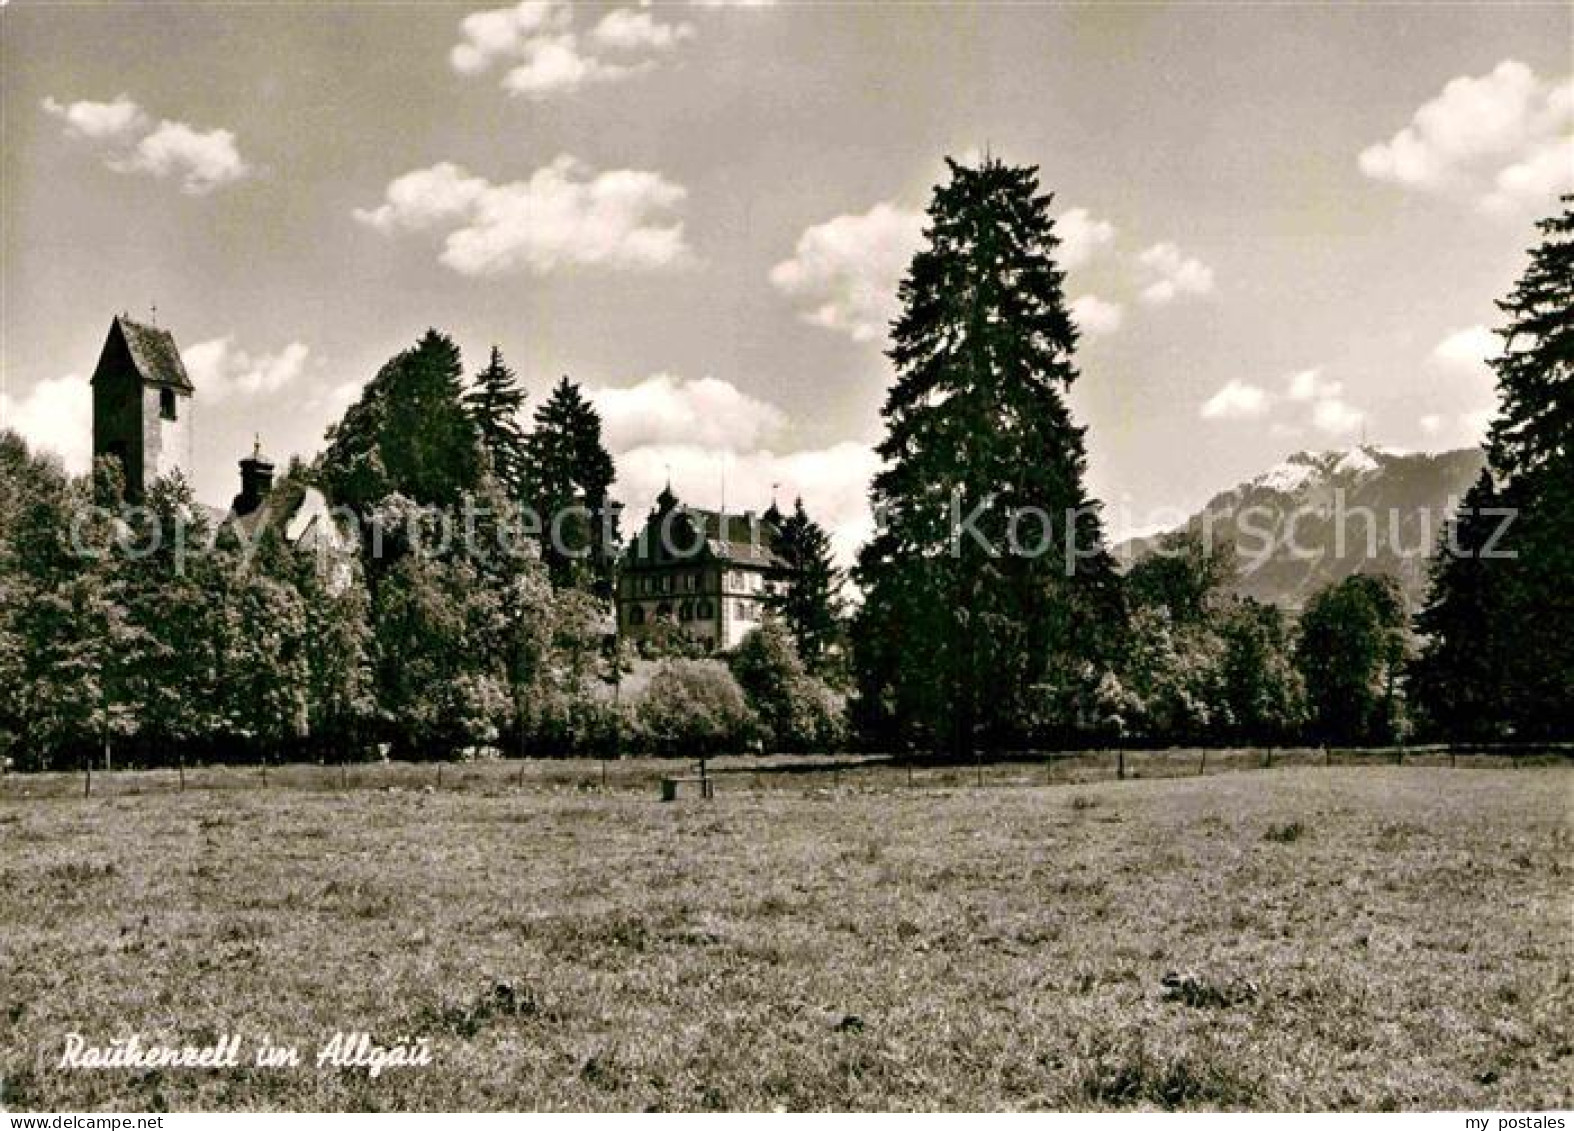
{"x":1285,"y":226}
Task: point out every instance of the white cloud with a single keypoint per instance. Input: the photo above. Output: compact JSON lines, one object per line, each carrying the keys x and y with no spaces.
{"x":1464,"y":392}
{"x":562,"y":216}
{"x":1509,"y":129}
{"x":1171,"y":274}
{"x":667,"y":410}
{"x":844,"y":272}
{"x":220,"y":371}
{"x":1546,"y":171}
{"x":56,"y":416}
{"x":1333,"y":416}
{"x":1095,"y":317}
{"x":544,"y":56}
{"x":1456,"y":430}
{"x":624,"y":29}
{"x":1468,"y":349}
{"x":425,"y":199}
{"x":555,"y":64}
{"x":1081,"y":237}
{"x":202,"y":160}
{"x":1237,"y":400}
{"x":501,"y":33}
{"x":1310,"y":384}
{"x":100,"y":121}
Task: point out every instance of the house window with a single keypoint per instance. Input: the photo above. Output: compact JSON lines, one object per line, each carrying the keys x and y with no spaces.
{"x":636,"y":614}
{"x":685,"y":611}
{"x":166,"y":403}
{"x":703,"y":612}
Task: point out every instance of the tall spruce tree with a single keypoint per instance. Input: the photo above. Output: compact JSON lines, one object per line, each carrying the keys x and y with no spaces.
{"x":1531,"y":448}
{"x":811,"y":606}
{"x":987,"y":588}
{"x":570,"y":477}
{"x":1499,"y":657}
{"x":409,"y":434}
{"x":494,"y":403}
{"x":1457,"y":678}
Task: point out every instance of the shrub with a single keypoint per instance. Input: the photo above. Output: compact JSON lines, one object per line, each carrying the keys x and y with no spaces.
{"x":694,"y":707}
{"x":797,"y":711}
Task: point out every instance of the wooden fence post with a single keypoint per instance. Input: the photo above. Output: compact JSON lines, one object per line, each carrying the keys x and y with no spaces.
{"x":1267,"y":758}
{"x":1202,"y":767}
{"x":181,"y":769}
{"x":439,"y":775}
{"x":1120,"y":763}
{"x":87,"y":781}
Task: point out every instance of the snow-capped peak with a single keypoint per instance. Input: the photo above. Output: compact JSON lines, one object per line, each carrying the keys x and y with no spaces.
{"x":1289,"y":476}
{"x":1356,"y":461}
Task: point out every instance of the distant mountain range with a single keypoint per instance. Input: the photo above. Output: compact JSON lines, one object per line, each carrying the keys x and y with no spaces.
{"x":1320,"y":516}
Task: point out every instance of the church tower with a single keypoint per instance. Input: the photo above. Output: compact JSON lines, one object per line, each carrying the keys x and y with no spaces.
{"x":141,"y":404}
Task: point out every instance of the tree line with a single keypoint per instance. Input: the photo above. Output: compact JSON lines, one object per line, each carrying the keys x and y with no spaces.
{"x":396,"y":638}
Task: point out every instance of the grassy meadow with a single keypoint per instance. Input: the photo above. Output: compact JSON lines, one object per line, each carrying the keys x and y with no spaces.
{"x":1307,"y":937}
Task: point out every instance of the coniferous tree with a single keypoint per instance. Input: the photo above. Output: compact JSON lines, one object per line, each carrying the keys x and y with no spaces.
{"x":1499,"y":657}
{"x":1457,"y":680}
{"x":811,"y":604}
{"x":987,"y":588}
{"x":570,"y":477}
{"x":409,"y":434}
{"x":1531,"y":449}
{"x":494,"y":403}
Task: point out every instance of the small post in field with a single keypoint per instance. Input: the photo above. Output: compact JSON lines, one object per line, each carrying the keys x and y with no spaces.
{"x":1120,"y":763}
{"x":344,"y":775}
{"x":521,"y":773}
{"x":439,"y":775}
{"x":1328,"y":756}
{"x":603,"y":775}
{"x":87,"y":780}
{"x":180,"y":767}
{"x":909,"y":773}
{"x":1202,"y":766}
{"x":1453,"y":757}
{"x":1267,"y":758}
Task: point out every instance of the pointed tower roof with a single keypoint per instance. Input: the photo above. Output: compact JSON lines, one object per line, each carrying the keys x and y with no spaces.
{"x":153,"y":353}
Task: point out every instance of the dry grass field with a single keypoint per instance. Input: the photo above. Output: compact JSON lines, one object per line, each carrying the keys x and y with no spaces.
{"x":1393,"y":937}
